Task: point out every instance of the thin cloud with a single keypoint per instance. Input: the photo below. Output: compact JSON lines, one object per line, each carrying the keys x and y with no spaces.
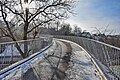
{"x":97,"y":13}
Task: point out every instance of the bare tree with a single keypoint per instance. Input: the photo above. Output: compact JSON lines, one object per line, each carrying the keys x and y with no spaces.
{"x":65,"y":29}
{"x":27,"y":15}
{"x":57,"y":25}
{"x":77,"y":30}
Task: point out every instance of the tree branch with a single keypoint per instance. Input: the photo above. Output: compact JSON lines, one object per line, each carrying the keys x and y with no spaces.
{"x":39,"y":25}
{"x":53,"y":5}
{"x":11,"y":35}
{"x":12,"y":10}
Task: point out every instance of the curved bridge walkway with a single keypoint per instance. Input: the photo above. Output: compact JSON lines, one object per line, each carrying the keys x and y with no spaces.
{"x":65,"y":60}
{"x":80,"y":66}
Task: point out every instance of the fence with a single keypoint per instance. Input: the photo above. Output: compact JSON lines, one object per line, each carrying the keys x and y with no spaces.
{"x":103,"y":53}
{"x":10,"y":54}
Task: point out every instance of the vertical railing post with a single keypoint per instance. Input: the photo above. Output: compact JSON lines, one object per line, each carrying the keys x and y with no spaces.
{"x":106,"y":54}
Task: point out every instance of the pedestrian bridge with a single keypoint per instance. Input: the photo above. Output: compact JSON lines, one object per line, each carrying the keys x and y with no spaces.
{"x":60,"y":58}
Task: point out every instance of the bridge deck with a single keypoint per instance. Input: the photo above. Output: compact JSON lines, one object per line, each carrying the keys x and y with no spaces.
{"x":80,"y":65}
{"x":64,"y":60}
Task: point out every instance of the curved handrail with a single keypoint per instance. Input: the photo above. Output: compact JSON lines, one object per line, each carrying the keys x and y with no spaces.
{"x":104,"y":54}
{"x":94,"y":41}
{"x":15,"y":66}
{"x":21,"y":41}
{"x":103,"y":43}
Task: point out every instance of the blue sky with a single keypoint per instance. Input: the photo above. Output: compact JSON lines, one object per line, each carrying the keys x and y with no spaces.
{"x":97,"y":13}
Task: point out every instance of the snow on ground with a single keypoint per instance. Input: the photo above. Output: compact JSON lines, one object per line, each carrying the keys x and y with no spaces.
{"x":80,"y":66}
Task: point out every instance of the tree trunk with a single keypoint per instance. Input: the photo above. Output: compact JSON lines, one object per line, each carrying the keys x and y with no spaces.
{"x":25,"y":34}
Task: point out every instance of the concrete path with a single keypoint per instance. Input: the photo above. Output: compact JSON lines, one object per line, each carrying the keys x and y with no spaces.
{"x":80,"y":66}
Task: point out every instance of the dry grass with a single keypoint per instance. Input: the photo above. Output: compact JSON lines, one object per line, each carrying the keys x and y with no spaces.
{"x":113,"y":41}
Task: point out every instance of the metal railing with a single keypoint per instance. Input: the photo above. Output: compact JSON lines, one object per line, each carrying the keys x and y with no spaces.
{"x":107,"y":55}
{"x":10,"y":53}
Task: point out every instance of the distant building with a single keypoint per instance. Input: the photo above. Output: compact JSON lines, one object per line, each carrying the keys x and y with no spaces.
{"x":95,"y":37}
{"x":102,"y":37}
{"x":86,"y":34}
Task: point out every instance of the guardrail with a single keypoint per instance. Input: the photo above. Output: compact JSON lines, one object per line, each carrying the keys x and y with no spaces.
{"x":9,"y":54}
{"x":103,"y":53}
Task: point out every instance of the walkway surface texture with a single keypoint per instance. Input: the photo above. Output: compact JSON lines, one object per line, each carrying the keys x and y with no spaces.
{"x":80,"y":65}
{"x":64,"y":60}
